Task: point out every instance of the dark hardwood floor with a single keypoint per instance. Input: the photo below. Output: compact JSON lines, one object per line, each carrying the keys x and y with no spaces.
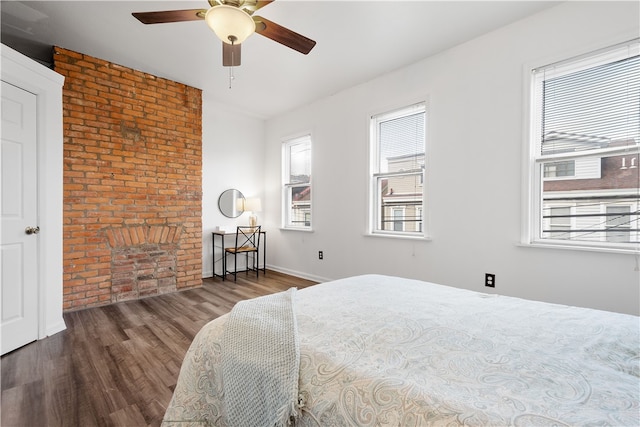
{"x":118,"y":365}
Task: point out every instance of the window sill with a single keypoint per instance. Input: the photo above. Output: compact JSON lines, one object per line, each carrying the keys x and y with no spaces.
{"x":304,"y":230}
{"x":610,"y":250}
{"x":398,"y":236}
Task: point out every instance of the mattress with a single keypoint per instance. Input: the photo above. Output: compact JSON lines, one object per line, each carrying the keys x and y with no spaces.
{"x":386,"y":351}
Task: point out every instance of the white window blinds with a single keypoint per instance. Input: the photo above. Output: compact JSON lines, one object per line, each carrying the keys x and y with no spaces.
{"x":592,"y":103}
{"x":402,"y":137}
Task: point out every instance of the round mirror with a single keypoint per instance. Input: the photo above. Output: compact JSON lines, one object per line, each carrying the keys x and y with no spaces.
{"x":231,"y":203}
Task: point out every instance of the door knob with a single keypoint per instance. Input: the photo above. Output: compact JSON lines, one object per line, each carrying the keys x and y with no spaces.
{"x":32,"y":230}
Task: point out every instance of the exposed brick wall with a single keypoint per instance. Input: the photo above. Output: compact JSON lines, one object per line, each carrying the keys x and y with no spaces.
{"x":132,"y":182}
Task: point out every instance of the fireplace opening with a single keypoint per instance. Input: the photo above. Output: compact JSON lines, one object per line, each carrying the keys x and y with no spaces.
{"x":143,"y":261}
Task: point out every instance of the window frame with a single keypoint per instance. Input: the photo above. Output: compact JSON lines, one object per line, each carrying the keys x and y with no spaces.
{"x":533,"y":161}
{"x":376,"y":177}
{"x":287,"y":222}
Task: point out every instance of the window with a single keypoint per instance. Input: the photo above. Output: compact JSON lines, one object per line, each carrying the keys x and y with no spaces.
{"x":618,"y":223}
{"x":585,"y":142}
{"x":397,"y":150}
{"x":296,"y":179}
{"x":398,"y":219}
{"x":558,"y":222}
{"x":560,"y":169}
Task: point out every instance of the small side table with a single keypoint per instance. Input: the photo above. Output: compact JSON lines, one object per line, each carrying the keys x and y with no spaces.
{"x":222,"y":234}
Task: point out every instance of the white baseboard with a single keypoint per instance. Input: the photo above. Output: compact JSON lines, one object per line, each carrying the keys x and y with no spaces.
{"x":209,"y":273}
{"x":300,"y":274}
{"x":55,"y":328}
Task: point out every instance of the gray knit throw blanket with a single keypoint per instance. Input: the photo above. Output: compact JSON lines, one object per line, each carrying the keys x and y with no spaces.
{"x":260,"y":361}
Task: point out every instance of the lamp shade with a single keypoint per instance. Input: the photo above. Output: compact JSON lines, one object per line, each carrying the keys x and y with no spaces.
{"x":253,"y":204}
{"x":230,"y":23}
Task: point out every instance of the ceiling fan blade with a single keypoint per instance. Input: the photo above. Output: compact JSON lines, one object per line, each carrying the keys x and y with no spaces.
{"x":251,"y":7}
{"x":262,"y":3}
{"x":231,"y":55}
{"x":167,"y":16}
{"x":283,"y":35}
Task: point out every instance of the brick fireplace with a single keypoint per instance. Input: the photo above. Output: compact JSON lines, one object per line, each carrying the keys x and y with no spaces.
{"x":143,"y":261}
{"x":132,"y":182}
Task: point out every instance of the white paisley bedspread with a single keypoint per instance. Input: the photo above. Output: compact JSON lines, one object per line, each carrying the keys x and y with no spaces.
{"x":378,"y":350}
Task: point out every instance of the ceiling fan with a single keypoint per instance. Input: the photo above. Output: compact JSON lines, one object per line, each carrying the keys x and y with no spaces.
{"x":233,"y":22}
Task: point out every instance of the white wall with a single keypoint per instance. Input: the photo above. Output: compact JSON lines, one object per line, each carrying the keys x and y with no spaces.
{"x":475,"y":141}
{"x":232,"y":157}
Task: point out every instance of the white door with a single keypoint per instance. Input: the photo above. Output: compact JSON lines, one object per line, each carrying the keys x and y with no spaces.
{"x":19,"y":243}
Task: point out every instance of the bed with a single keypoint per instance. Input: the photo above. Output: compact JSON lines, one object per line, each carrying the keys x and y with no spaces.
{"x":376,"y":350}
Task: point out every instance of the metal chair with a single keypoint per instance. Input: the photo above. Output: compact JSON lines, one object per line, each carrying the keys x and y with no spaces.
{"x":247,"y":241}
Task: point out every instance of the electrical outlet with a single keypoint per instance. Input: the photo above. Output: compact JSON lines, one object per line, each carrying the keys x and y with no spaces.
{"x":320,"y":255}
{"x":490,"y":280}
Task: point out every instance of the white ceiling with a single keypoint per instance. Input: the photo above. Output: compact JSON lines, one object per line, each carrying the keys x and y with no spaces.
{"x":356,"y":41}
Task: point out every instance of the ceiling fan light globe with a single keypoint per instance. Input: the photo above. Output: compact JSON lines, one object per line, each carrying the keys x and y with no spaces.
{"x":230,"y":23}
